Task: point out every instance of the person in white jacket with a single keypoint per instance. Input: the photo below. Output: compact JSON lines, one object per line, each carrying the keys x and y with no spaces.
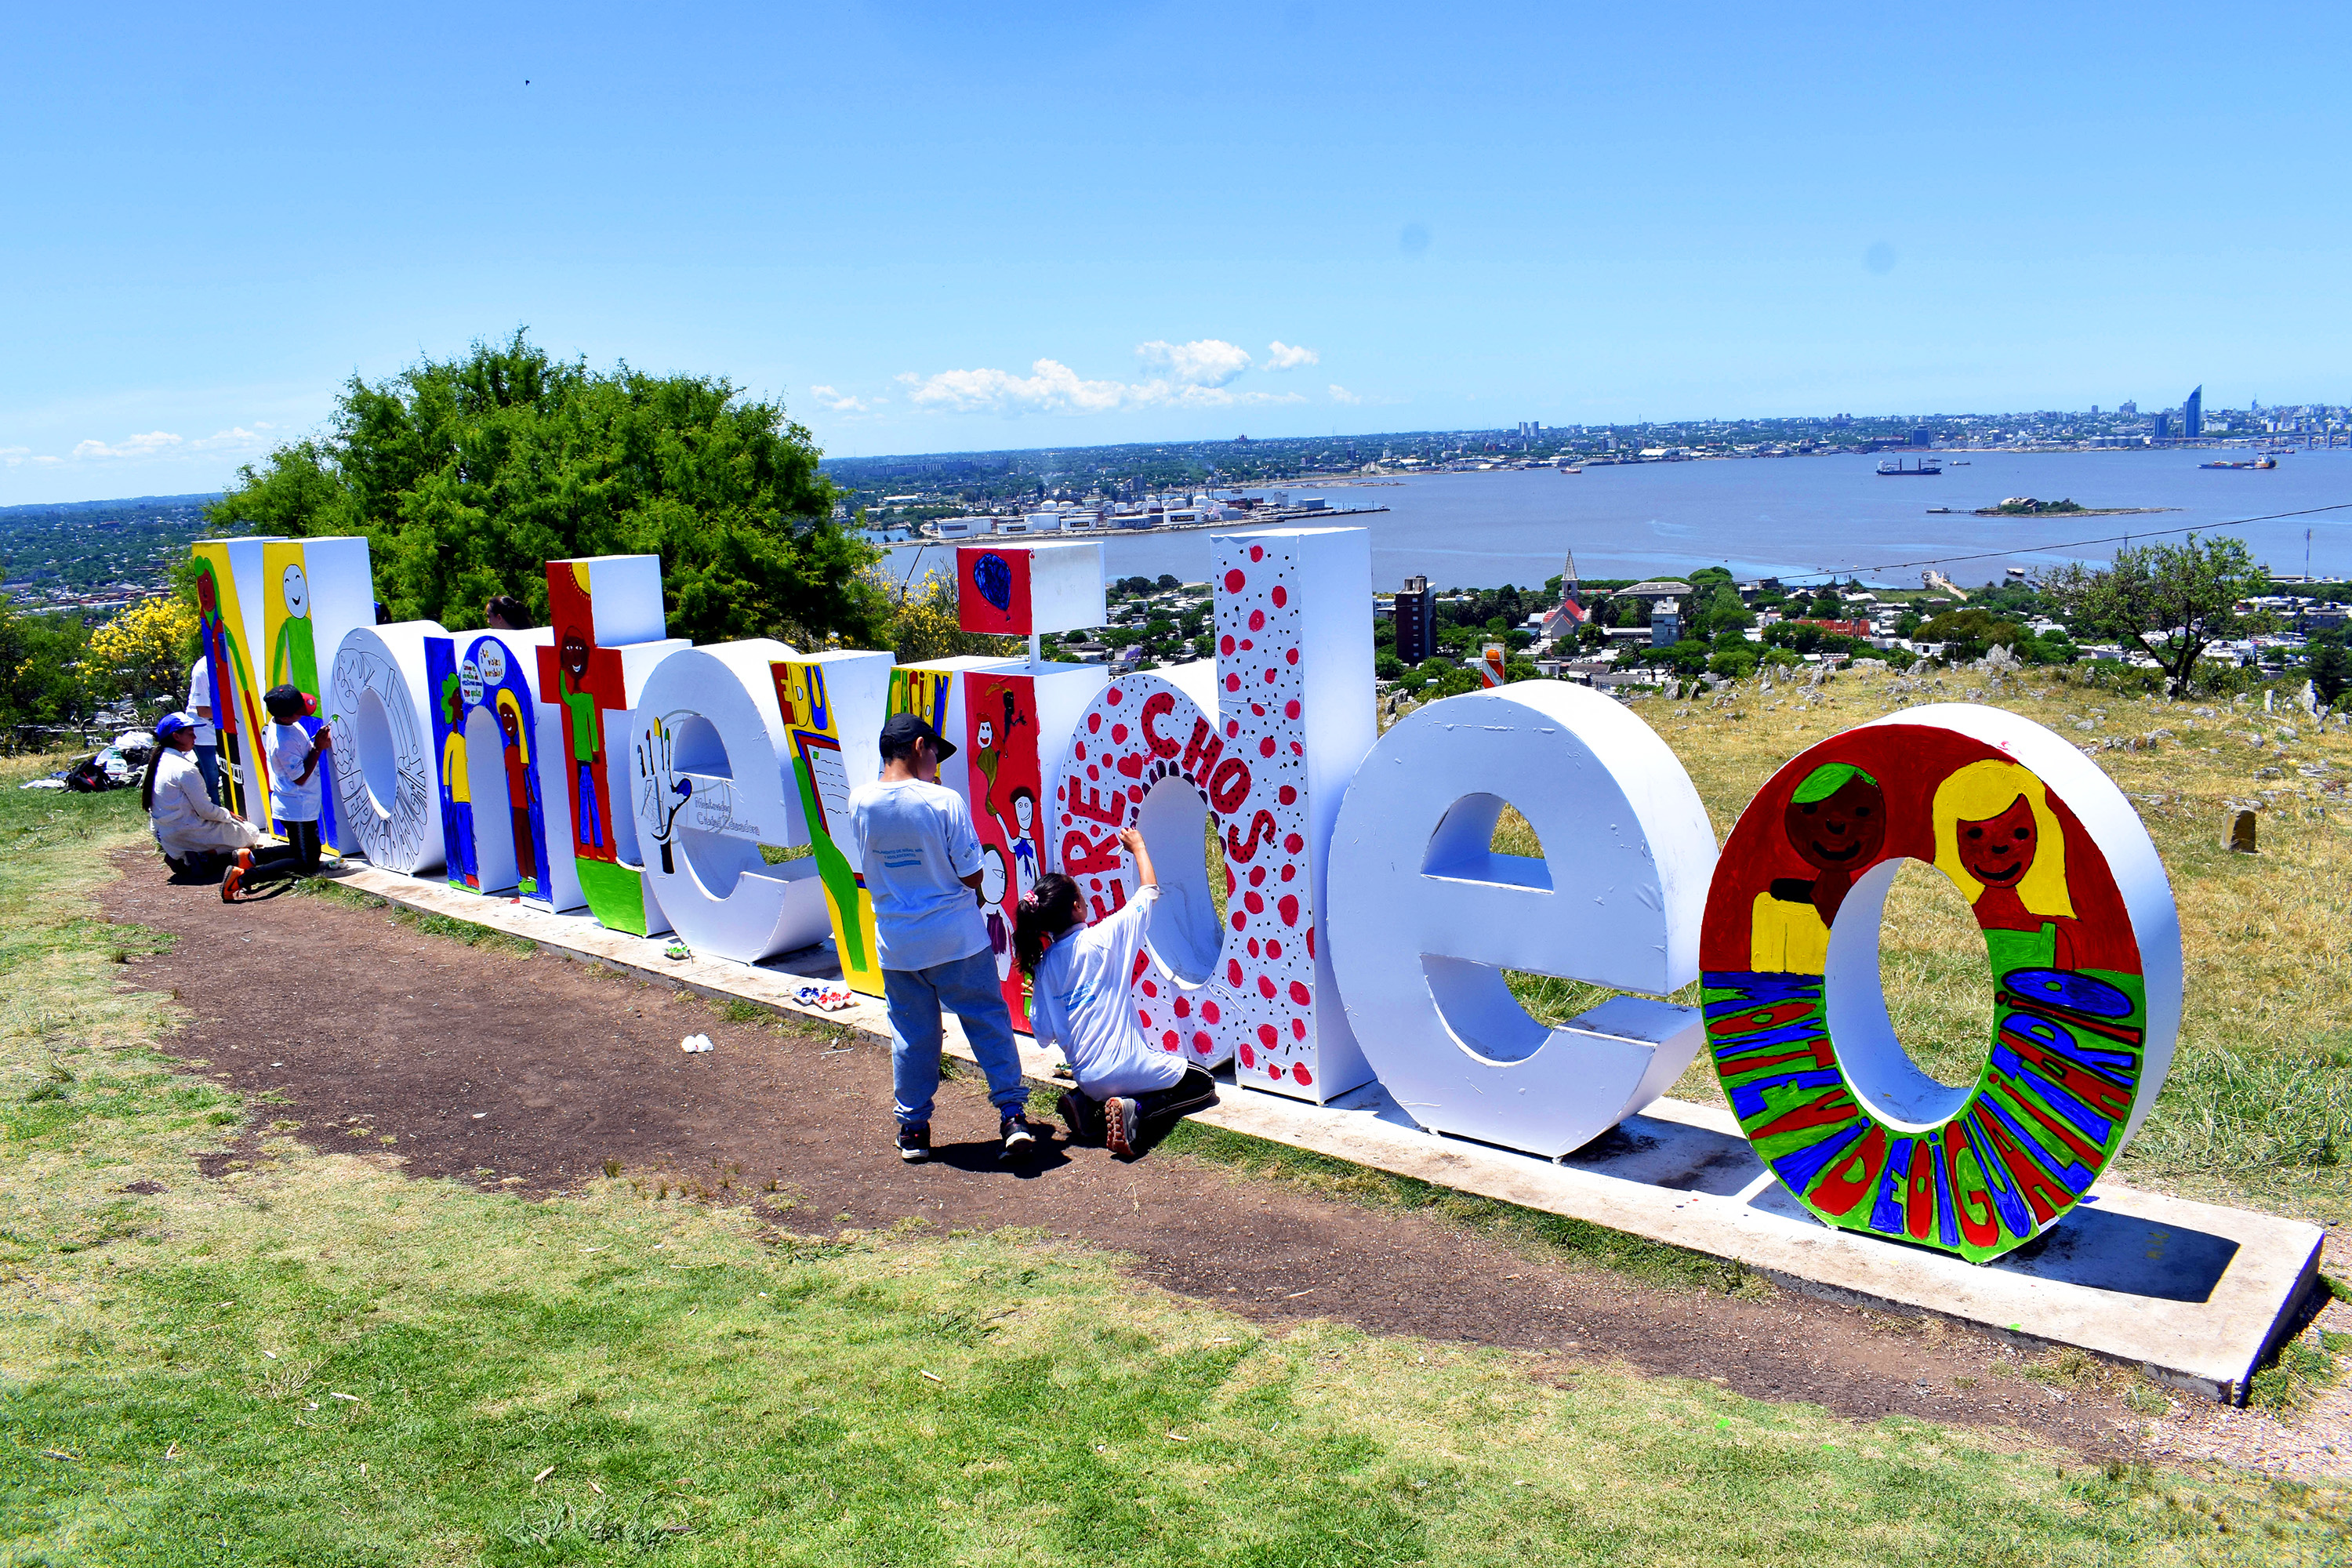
{"x":180,"y":809}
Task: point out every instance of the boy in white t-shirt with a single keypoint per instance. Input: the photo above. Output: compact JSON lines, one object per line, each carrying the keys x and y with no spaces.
{"x":913,"y":840}
{"x":297,"y":796}
{"x":1079,"y":976}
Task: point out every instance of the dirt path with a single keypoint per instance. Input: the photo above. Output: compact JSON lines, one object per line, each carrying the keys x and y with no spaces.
{"x":531,"y":1072}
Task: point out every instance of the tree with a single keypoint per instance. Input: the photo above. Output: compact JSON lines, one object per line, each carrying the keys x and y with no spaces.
{"x":466,"y":475}
{"x":41,"y":661}
{"x":2330,"y":668}
{"x":144,"y":650}
{"x":2174,"y":601}
{"x":921,"y":624}
{"x":1966,"y":634}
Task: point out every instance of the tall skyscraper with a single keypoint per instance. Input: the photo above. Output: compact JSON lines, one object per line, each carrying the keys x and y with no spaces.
{"x":2192,"y":414}
{"x":1416,"y":621}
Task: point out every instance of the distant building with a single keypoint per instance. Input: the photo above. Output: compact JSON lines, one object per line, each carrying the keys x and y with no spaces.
{"x":2192,"y":414}
{"x":1416,"y":621}
{"x":2163,"y":424}
{"x":1921,"y":435}
{"x":1665,"y":623}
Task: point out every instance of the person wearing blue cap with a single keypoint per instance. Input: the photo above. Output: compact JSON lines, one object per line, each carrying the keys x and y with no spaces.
{"x":191,"y":828}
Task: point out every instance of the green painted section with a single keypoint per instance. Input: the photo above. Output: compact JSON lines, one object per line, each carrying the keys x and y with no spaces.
{"x":616,"y":894}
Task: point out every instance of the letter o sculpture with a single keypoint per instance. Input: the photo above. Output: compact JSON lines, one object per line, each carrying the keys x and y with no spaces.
{"x":2083,"y":943}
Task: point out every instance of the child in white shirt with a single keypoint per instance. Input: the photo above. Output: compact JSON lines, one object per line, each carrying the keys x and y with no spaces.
{"x":297,"y":796}
{"x":1079,"y":976}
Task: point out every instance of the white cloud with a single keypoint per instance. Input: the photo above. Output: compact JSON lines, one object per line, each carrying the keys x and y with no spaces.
{"x":1204,"y":361}
{"x":236,"y":439}
{"x":1195,"y":375}
{"x":838,"y":402}
{"x":12,"y":456}
{"x":146,"y":446}
{"x":1341,"y":394}
{"x":1280,"y":355}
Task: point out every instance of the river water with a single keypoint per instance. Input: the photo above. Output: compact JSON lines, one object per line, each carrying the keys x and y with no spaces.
{"x":1792,"y":517}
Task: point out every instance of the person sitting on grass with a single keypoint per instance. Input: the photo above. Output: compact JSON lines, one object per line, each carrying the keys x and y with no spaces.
{"x":296,"y":794}
{"x":195,"y":834}
{"x":1079,"y":976}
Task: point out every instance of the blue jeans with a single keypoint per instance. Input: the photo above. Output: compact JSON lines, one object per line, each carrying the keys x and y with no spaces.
{"x":208,"y":764}
{"x":968,"y":988}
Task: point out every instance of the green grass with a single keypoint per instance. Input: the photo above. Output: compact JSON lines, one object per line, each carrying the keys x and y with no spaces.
{"x":314,"y":1360}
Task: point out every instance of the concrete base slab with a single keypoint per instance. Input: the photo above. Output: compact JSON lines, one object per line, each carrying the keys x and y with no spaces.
{"x":2196,"y":1294}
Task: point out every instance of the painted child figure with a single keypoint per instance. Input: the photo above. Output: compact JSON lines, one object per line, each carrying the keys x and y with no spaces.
{"x":521,"y":787}
{"x":1836,"y":822}
{"x":1079,"y":975}
{"x":457,"y":795}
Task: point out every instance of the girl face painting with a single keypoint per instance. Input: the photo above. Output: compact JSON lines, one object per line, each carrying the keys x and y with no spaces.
{"x":1999,"y":851}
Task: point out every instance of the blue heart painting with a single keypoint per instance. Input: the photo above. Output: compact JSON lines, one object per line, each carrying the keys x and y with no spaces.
{"x":993,"y":578}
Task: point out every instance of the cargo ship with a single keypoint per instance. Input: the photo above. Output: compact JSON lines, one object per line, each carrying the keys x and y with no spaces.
{"x":2256,"y":463}
{"x":1925,"y":468}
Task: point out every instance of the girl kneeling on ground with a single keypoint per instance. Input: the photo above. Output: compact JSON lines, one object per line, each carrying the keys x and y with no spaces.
{"x":1079,"y":977}
{"x":195,"y":834}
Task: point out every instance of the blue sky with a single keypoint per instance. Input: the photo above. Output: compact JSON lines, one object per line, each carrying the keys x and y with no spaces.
{"x":935,"y":226}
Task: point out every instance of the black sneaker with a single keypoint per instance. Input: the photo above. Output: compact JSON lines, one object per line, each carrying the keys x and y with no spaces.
{"x":1120,"y":1125}
{"x":1021,"y":1135}
{"x":1082,"y":1116}
{"x":914,"y":1143}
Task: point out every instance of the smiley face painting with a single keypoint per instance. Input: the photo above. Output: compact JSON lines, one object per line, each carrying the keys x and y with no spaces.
{"x":1836,"y":822}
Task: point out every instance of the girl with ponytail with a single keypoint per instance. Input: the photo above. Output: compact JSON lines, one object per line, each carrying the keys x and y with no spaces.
{"x":1078,"y":1000}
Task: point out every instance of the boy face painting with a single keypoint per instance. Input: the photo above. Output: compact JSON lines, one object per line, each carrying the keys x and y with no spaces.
{"x":1841,"y":830}
{"x":575,"y":654}
{"x":297,"y":593}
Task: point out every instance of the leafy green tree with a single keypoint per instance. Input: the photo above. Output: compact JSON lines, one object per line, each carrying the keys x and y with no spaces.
{"x":41,"y":668}
{"x":1966,"y":634}
{"x":1738,"y":664}
{"x":2330,"y":668}
{"x":466,"y":475}
{"x":2174,"y":601}
{"x":1687,"y":657}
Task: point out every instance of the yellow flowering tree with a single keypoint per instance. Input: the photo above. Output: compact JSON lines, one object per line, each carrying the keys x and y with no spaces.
{"x":144,"y":650}
{"x":921,"y":621}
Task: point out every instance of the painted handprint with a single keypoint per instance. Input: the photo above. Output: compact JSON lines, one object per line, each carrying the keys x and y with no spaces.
{"x":663,"y":788}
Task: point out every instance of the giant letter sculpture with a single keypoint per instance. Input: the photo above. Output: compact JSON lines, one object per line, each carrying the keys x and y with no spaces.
{"x":2085,"y":947}
{"x":709,"y":756}
{"x":488,"y":727}
{"x":379,"y":705}
{"x":1426,"y":917}
{"x":606,"y":616}
{"x":1268,"y":753}
{"x":224,"y":612}
{"x":1015,"y":721}
{"x":315,"y":592}
{"x":833,"y":703}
